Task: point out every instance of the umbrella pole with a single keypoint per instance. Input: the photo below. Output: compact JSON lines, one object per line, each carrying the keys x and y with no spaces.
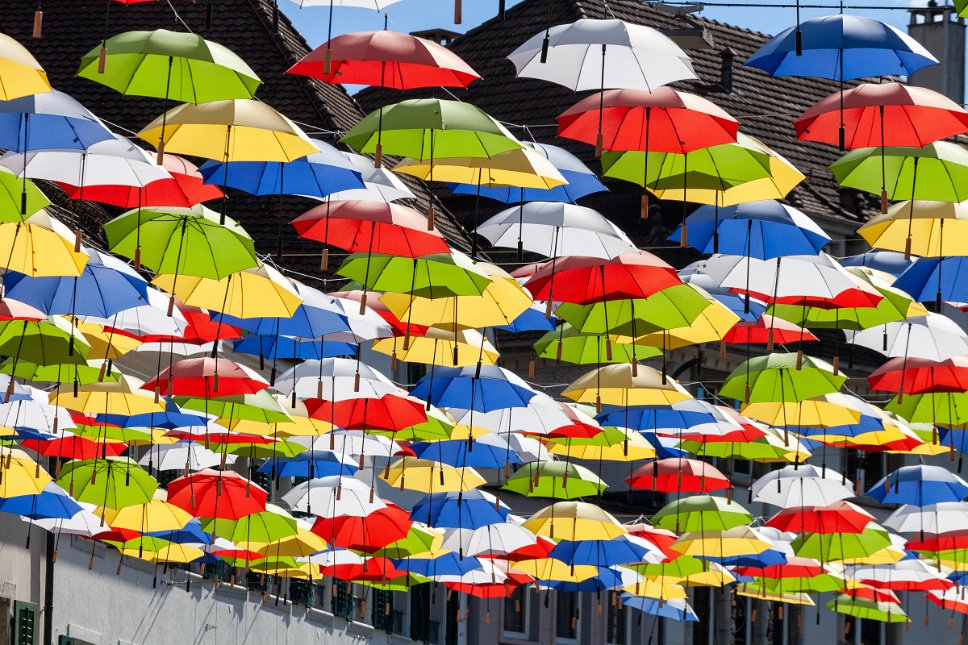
{"x":225,"y":175}
{"x":413,"y":284}
{"x":477,"y":204}
{"x":23,"y":194}
{"x":599,"y":140}
{"x":644,"y":206}
{"x":218,"y":326}
{"x":369,"y":260}
{"x":328,"y":56}
{"x":378,"y":153}
{"x":520,"y":224}
{"x":684,"y":237}
{"x":749,"y":241}
{"x":164,"y":115}
{"x":883,"y":167}
{"x":324,"y":259}
{"x":430,"y":178}
{"x":842,"y":133}
{"x":914,"y":183}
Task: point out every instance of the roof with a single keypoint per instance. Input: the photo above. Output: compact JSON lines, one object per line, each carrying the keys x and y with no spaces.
{"x":765,"y":106}
{"x":254,"y":29}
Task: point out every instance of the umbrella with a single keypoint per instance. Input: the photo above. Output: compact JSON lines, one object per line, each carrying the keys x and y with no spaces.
{"x":678,"y":475}
{"x":572,"y":346}
{"x":805,"y":485}
{"x":701,"y":513}
{"x":677,"y":609}
{"x":918,"y":228}
{"x":411,"y":473}
{"x":554,"y":479}
{"x":868,"y":609}
{"x":942,"y":517}
{"x":833,"y":547}
{"x":574,"y":521}
{"x":251,"y":293}
{"x":333,"y":496}
{"x":385,"y":59}
{"x":484,"y":389}
{"x":217,"y":494}
{"x":22,"y":475}
{"x":618,"y":385}
{"x":208,"y":377}
{"x":932,"y":337}
{"x":839,"y":517}
{"x":781,"y":377}
{"x":376,"y":530}
{"x":593,"y":54}
{"x":48,"y":120}
{"x":110,"y":482}
{"x":20,"y":72}
{"x":919,"y":486}
{"x":465,"y":510}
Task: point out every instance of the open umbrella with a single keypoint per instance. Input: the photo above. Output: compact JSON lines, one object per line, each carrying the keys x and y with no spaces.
{"x":20,"y":73}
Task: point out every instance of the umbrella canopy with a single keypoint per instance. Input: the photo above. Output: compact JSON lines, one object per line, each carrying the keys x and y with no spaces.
{"x":803,"y":486}
{"x":180,"y":66}
{"x":933,"y":337}
{"x":110,"y":482}
{"x":584,"y":280}
{"x":701,"y":513}
{"x":555,"y":480}
{"x":838,"y":517}
{"x":385,"y":59}
{"x":938,"y":171}
{"x":593,"y":54}
{"x":678,"y":475}
{"x":574,"y":521}
{"x":21,"y":73}
{"x":781,"y":377}
{"x":217,"y":494}
{"x":48,"y":120}
{"x":919,"y":486}
{"x":918,"y":228}
{"x":621,"y":385}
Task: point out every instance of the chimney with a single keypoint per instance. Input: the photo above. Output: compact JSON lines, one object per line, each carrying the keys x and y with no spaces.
{"x":942,"y":33}
{"x":726,"y":69}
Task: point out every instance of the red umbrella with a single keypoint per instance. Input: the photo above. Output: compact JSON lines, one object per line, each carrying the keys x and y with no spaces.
{"x":385,"y":59}
{"x":220,"y":437}
{"x":883,"y":114}
{"x":661,"y":538}
{"x":540,"y":549}
{"x":372,"y":570}
{"x":184,"y":189}
{"x":939,"y":542}
{"x":371,"y":227}
{"x":206,"y":377}
{"x":389,"y":412}
{"x":369,"y":533}
{"x":665,"y":120}
{"x":399,"y":327}
{"x":219,"y":494}
{"x":767,"y":330}
{"x":75,"y":447}
{"x":920,"y":375}
{"x":14,"y":310}
{"x":585,"y":280}
{"x":497,"y":590}
{"x":678,"y":475}
{"x":201,"y":329}
{"x":839,"y":517}
{"x":792,"y":568}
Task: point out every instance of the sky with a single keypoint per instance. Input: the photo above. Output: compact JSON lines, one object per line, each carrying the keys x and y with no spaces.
{"x":413,"y":15}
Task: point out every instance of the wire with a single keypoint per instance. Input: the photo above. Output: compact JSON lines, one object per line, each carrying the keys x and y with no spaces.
{"x":770,"y":5}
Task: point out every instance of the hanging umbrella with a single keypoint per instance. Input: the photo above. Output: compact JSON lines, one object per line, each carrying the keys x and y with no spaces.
{"x":377,"y":530}
{"x":572,"y":346}
{"x":701,"y":513}
{"x":379,"y":183}
{"x":781,"y":377}
{"x":466,"y":388}
{"x":918,"y":228}
{"x":217,"y":494}
{"x":617,"y":385}
{"x":919,"y":486}
{"x":678,"y":475}
{"x":251,"y":293}
{"x":209,"y":377}
{"x":466,"y":510}
{"x":839,"y":517}
{"x":21,"y":475}
{"x":805,"y":485}
{"x":49,"y":120}
{"x":868,"y":609}
{"x":385,"y":59}
{"x":333,"y":496}
{"x":593,"y":54}
{"x":111,"y":482}
{"x":411,"y":473}
{"x":555,"y":480}
{"x":943,"y":517}
{"x":833,"y":547}
{"x":459,"y":348}
{"x":932,"y":337}
{"x":574,"y":521}
{"x":20,"y":73}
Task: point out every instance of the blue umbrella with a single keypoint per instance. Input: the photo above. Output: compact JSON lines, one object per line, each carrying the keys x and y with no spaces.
{"x":766,"y":558}
{"x":172,"y":417}
{"x":764,"y":230}
{"x":316,"y":175}
{"x":936,"y":279}
{"x":318,"y":315}
{"x":51,"y":503}
{"x":919,"y":486}
{"x":271,"y":346}
{"x":606,"y":579}
{"x":864,"y":424}
{"x":449,"y":564}
{"x":841,"y":48}
{"x":105,"y":287}
{"x":599,"y":553}
{"x":891,"y":262}
{"x":676,"y":609}
{"x":482,"y":389}
{"x":469,"y":510}
{"x":191,"y":533}
{"x":47,"y":121}
{"x":309,"y":464}
{"x":652,"y":417}
{"x":460,"y":453}
{"x":532,"y":319}
{"x":581,"y":181}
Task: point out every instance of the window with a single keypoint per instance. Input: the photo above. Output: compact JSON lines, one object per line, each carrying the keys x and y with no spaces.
{"x":343,"y":602}
{"x":301,"y":592}
{"x":25,"y":623}
{"x":616,"y":620}
{"x":566,"y":617}
{"x":382,"y":616}
{"x":420,"y":623}
{"x":516,"y":612}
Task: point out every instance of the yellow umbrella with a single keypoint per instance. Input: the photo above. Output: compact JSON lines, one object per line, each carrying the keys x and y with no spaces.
{"x":20,"y":73}
{"x":438,"y":346}
{"x":618,"y":385}
{"x":574,"y":521}
{"x":924,"y":228}
{"x":156,"y":515}
{"x":41,"y":246}
{"x":710,"y":326}
{"x":181,"y":553}
{"x":106,"y":344}
{"x":300,"y":426}
{"x":555,"y":570}
{"x":303,"y":544}
{"x":261,"y":292}
{"x":656,"y":588}
{"x":21,"y":475}
{"x":783,"y":178}
{"x":741,"y":540}
{"x":124,"y":397}
{"x":230,"y":130}
{"x":797,"y":598}
{"x":612,"y":444}
{"x":819,"y":412}
{"x":523,"y":168}
{"x":500,"y":303}
{"x":410,"y":473}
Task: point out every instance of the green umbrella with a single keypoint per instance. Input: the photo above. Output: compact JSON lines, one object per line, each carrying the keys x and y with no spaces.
{"x":868,"y":609}
{"x":403,"y":584}
{"x":671,"y":308}
{"x":110,"y":482}
{"x":419,"y":539}
{"x":48,"y":341}
{"x":835,"y":547}
{"x":434,"y":276}
{"x":182,"y":241}
{"x":943,"y":408}
{"x":815,"y":584}
{"x":269,"y":525}
{"x":113,"y":433}
{"x":80,"y":373}
{"x":894,"y":306}
{"x":701,"y":513}
{"x":19,"y":197}
{"x":571,"y":346}
{"x":555,"y":480}
{"x":261,"y":407}
{"x":426,"y":129}
{"x":938,"y":171}
{"x":261,"y":450}
{"x":180,"y":66}
{"x":781,"y":377}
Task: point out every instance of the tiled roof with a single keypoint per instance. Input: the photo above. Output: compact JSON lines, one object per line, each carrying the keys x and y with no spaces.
{"x":268,"y":42}
{"x":765,"y":106}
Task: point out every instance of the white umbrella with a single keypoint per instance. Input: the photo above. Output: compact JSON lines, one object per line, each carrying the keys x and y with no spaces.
{"x":805,"y":485}
{"x":333,"y":496}
{"x":556,"y":229}
{"x":381,"y":185}
{"x":914,"y":572}
{"x":36,"y":415}
{"x":943,"y":517}
{"x":335,"y":379}
{"x":84,"y":522}
{"x":598,"y":54}
{"x":175,"y":457}
{"x":493,"y":539}
{"x":150,"y":319}
{"x":114,"y":162}
{"x":540,"y":416}
{"x":352,"y":443}
{"x":933,"y":337}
